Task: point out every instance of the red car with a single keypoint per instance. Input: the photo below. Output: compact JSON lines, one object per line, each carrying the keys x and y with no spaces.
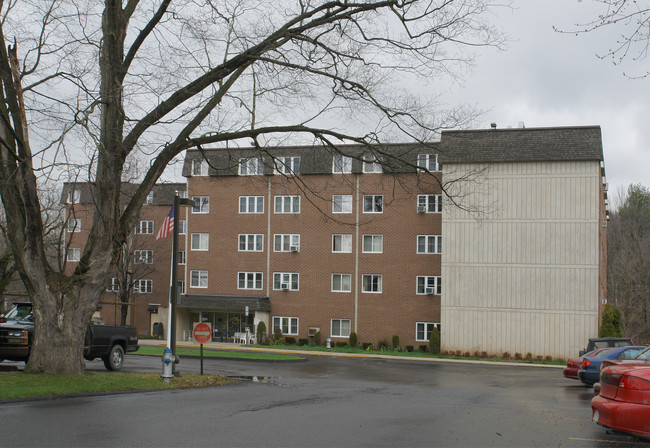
{"x":623,"y":403}
{"x":573,"y":364}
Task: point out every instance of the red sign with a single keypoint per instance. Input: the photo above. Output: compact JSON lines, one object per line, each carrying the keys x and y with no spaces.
{"x":202,"y":332}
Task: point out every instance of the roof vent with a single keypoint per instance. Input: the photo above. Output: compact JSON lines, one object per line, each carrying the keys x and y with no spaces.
{"x":493,"y":125}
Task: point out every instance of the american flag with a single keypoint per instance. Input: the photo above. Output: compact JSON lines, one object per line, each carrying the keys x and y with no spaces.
{"x":167,"y":226}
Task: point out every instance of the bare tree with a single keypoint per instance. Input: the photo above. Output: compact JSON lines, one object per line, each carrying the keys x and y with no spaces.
{"x":158,"y":77}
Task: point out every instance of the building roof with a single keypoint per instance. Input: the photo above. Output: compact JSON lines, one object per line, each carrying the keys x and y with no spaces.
{"x":223,"y":302}
{"x":163,"y":194}
{"x":522,"y":145}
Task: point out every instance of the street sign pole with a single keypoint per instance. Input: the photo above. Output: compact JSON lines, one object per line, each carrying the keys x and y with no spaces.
{"x":201,"y":359}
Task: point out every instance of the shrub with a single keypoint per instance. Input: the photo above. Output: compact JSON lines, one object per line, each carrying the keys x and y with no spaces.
{"x":506,"y":355}
{"x":366,"y":345}
{"x":260,"y":333}
{"x":317,"y":338}
{"x":517,"y":355}
{"x":484,"y":354}
{"x":290,"y":340}
{"x":395,"y":341}
{"x":409,"y":348}
{"x":353,"y":339}
{"x":302,"y":341}
{"x":382,"y":344}
{"x":340,"y":344}
{"x":548,"y":358}
{"x":422,"y":348}
{"x":434,"y":341}
{"x":611,"y":322}
{"x":529,"y":356}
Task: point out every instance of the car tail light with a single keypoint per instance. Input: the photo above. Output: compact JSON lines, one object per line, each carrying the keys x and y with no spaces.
{"x":610,"y":378}
{"x":632,"y":382}
{"x":585,"y":363}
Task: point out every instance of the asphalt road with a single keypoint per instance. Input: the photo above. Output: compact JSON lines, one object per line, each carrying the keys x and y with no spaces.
{"x":324,"y":402}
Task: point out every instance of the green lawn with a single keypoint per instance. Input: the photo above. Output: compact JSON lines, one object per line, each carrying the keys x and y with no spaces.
{"x":181,"y":351}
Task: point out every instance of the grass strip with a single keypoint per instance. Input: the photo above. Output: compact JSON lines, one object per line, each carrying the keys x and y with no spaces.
{"x":21,"y":385}
{"x":181,"y":351}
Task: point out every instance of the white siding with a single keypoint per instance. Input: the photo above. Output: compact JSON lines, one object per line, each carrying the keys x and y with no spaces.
{"x":520,"y":263}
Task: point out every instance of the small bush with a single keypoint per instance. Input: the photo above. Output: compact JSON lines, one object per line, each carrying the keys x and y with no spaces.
{"x":484,"y":354}
{"x":317,"y":338}
{"x":459,"y":353}
{"x":260,"y":333}
{"x":518,"y":355}
{"x":395,"y":341}
{"x":409,"y":348}
{"x":548,"y":358}
{"x":382,"y":344}
{"x":277,"y":337}
{"x":506,"y":355}
{"x":476,"y":354}
{"x":529,"y":356}
{"x":290,"y":340}
{"x":340,"y":344}
{"x":302,"y":342}
{"x":422,"y":348}
{"x":366,"y":345}
{"x":539,"y":357}
{"x":353,"y":339}
{"x":434,"y":341}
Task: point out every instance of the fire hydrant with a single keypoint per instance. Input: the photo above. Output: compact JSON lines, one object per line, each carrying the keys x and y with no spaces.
{"x":168,"y":361}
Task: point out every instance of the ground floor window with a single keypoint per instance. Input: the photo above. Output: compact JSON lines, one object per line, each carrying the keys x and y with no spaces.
{"x":340,"y":328}
{"x":287,"y":325}
{"x":423,"y":330}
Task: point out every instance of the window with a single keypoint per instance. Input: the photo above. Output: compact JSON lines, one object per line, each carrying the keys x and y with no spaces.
{"x":341,"y":282}
{"x":342,"y":243}
{"x":250,"y":167}
{"x":201,"y":204}
{"x":143,"y":256}
{"x":373,"y":243}
{"x":251,"y":204}
{"x":429,"y":284}
{"x":429,"y":244}
{"x":423,"y":330}
{"x":340,"y":328}
{"x":114,"y":285}
{"x":286,"y":242}
{"x":144,"y":227}
{"x":371,"y":283}
{"x":74,"y":196}
{"x":149,"y":199}
{"x":341,"y":164}
{"x":181,"y":286}
{"x":287,"y":165}
{"x":285,"y":281}
{"x":429,"y":162}
{"x":198,"y":279}
{"x":373,"y":203}
{"x":199,"y":168}
{"x":287,"y":325}
{"x":429,"y":203}
{"x":287,"y":204}
{"x":74,"y":225}
{"x":74,"y":254}
{"x":181,"y":193}
{"x":200,"y":241}
{"x":181,"y":257}
{"x":251,"y":242}
{"x":371,"y":164}
{"x":143,"y":286}
{"x":182,"y":227}
{"x":342,"y":203}
{"x":249,"y":280}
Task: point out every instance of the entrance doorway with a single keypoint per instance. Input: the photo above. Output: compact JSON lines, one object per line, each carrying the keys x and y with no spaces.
{"x":224,"y":323}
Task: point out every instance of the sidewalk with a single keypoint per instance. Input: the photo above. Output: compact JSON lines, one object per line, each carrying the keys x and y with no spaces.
{"x":269,"y":349}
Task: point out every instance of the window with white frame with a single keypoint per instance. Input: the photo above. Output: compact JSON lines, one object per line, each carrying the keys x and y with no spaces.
{"x":182,"y":227}
{"x":201,"y":204}
{"x":285,"y":281}
{"x":341,"y":282}
{"x":429,"y":162}
{"x":251,"y":242}
{"x":251,"y":166}
{"x":286,"y":325}
{"x":200,"y":241}
{"x":181,"y":257}
{"x":199,"y":168}
{"x":342,"y":203}
{"x":287,"y":165}
{"x":181,"y":286}
{"x":143,"y":256}
{"x":373,"y":203}
{"x":371,"y":164}
{"x":74,"y":196}
{"x":341,"y":164}
{"x":74,"y":225}
{"x":373,"y":243}
{"x":429,"y":203}
{"x":286,"y":242}
{"x":149,"y":199}
{"x":181,"y":193}
{"x":429,"y":284}
{"x":143,"y":286}
{"x":249,"y":280}
{"x":251,"y":204}
{"x":287,"y":204}
{"x":199,"y":279}
{"x":371,"y":283}
{"x":144,"y":228}
{"x":429,"y":244}
{"x":113,"y":285}
{"x":74,"y":254}
{"x":340,"y":328}
{"x":342,"y":243}
{"x":423,"y":330}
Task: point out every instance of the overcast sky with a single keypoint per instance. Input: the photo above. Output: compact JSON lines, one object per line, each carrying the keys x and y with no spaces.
{"x":547,"y":78}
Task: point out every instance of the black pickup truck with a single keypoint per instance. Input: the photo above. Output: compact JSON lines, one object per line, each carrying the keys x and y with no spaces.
{"x":107,"y":342}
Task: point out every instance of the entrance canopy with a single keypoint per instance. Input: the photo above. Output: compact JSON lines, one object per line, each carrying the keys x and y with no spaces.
{"x":217,"y":302}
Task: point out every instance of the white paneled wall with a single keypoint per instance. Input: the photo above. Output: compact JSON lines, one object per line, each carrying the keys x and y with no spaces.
{"x":520,"y":259}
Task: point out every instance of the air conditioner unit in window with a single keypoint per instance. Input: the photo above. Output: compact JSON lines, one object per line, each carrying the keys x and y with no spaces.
{"x":295,"y":248}
{"x":428,"y":291}
{"x":284,"y":286}
{"x":422,"y":208}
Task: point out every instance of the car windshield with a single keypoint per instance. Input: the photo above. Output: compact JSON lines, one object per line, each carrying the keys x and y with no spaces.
{"x":21,"y":314}
{"x":644,"y":354}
